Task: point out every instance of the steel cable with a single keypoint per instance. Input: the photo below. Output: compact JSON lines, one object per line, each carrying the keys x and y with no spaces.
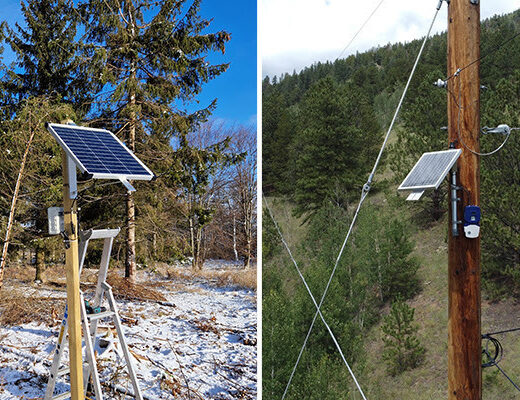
{"x":364,"y":193}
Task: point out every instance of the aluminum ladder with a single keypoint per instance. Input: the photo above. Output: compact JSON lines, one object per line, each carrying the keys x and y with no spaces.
{"x":89,"y":323}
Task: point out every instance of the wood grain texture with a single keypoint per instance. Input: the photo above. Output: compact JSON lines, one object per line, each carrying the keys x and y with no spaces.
{"x":73,"y":298}
{"x":464,"y":341}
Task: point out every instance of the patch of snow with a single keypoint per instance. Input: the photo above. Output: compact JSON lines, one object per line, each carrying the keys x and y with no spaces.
{"x":203,"y":346}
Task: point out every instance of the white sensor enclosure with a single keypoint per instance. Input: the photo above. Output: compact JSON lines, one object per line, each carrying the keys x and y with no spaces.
{"x":55,"y":217}
{"x":472,"y":231}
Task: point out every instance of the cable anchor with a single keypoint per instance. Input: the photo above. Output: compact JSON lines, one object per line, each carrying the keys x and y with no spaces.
{"x":368,"y":185}
{"x":440,"y":4}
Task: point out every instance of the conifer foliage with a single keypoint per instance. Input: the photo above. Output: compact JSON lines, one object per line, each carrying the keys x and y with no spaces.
{"x":133,"y":67}
{"x":402,"y":350}
{"x":48,"y":53}
{"x":146,"y":65}
{"x":338,"y":135}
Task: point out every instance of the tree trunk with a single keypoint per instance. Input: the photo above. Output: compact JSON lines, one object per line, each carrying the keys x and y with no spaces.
{"x":247,"y":209}
{"x":3,"y":258}
{"x":154,"y":245}
{"x":193,"y":243}
{"x":235,"y":237}
{"x":130,"y":263}
{"x":249,"y":235}
{"x":40,"y":264}
{"x":199,"y":260}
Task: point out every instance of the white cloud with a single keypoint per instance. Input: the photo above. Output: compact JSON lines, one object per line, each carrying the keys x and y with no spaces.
{"x":296,"y":33}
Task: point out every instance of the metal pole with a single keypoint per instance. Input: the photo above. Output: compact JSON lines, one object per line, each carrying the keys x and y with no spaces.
{"x":464,"y":342}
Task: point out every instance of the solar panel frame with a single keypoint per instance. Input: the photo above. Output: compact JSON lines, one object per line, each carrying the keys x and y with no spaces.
{"x":437,"y":176}
{"x":148,"y":175}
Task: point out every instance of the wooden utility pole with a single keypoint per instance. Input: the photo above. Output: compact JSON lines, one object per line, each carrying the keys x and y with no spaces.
{"x":464,"y":340}
{"x":70,"y":219}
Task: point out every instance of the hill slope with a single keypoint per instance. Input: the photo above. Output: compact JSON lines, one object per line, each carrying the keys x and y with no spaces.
{"x":429,"y":380}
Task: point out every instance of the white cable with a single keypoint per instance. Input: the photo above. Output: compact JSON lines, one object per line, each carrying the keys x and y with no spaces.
{"x":360,"y":29}
{"x":363,"y":196}
{"x":366,"y":189}
{"x":459,"y":136}
{"x":403,"y":96}
{"x":318,"y":311}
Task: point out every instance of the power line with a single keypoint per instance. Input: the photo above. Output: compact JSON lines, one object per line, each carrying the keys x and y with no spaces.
{"x":501,"y":332}
{"x":360,"y":29}
{"x":318,"y":311}
{"x":364,"y":194}
{"x":497,"y":357}
{"x":459,"y":136}
{"x":494,"y":50}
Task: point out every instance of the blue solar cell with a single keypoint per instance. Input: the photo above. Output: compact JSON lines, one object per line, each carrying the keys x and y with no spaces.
{"x":99,"y":152}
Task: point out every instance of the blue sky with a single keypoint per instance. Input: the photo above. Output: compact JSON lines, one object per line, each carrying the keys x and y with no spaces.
{"x":236,"y":88}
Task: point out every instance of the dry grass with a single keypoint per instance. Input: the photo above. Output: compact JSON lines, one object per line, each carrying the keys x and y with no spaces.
{"x":20,"y":273}
{"x":243,"y":278}
{"x":17,"y":308}
{"x":125,"y":289}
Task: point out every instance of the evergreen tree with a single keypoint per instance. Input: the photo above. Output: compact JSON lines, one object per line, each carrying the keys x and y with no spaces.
{"x":48,"y":55}
{"x":30,"y":177}
{"x":194,"y":168}
{"x":501,"y":189}
{"x":153,"y":61}
{"x":384,"y":250}
{"x":338,"y":136}
{"x":279,"y":342}
{"x":402,"y":349}
{"x":273,"y":159}
{"x":423,"y":115}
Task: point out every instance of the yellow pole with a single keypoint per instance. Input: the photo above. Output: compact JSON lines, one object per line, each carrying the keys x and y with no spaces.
{"x":73,"y":298}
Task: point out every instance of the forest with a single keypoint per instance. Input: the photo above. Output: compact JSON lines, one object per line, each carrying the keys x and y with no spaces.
{"x":134,"y":68}
{"x":322,"y":129}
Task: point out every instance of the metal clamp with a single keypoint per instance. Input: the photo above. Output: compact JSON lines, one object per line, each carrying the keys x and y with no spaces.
{"x":454,"y":201}
{"x":66,"y":239}
{"x":440,"y":4}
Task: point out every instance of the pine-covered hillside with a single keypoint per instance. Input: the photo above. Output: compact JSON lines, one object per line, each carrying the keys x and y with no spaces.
{"x":387,"y":303}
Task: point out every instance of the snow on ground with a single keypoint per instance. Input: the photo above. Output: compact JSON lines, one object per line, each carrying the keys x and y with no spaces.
{"x":200,"y":344}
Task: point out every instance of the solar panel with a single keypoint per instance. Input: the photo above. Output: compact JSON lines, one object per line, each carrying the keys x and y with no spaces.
{"x":100,"y":153}
{"x":430,"y":170}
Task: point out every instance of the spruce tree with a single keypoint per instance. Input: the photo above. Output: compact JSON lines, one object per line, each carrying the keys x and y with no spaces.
{"x":153,"y":62}
{"x":48,"y":54}
{"x":195,"y":168}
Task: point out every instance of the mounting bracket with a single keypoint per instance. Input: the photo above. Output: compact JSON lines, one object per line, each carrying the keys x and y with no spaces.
{"x":454,"y":201}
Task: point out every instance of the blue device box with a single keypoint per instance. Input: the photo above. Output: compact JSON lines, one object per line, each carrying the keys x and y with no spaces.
{"x":471,"y":215}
